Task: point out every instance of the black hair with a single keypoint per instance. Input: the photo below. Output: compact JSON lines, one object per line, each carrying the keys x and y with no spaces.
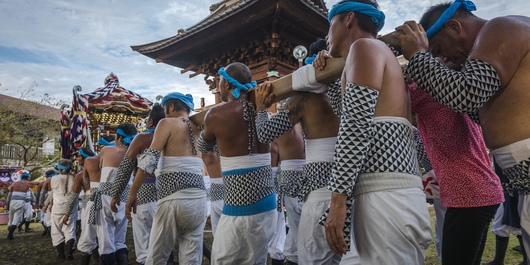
{"x":434,"y":12}
{"x":156,"y":114}
{"x":240,"y":73}
{"x":108,"y":138}
{"x":177,"y":104}
{"x":127,"y":128}
{"x":50,"y":172}
{"x":316,"y":47}
{"x":364,"y":22}
{"x":87,"y":151}
{"x":25,"y":176}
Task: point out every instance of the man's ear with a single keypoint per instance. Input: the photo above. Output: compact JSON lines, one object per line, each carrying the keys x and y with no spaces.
{"x":453,"y":24}
{"x":349,"y":19}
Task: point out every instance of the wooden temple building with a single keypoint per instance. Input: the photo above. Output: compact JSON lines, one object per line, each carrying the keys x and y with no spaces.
{"x":259,"y":33}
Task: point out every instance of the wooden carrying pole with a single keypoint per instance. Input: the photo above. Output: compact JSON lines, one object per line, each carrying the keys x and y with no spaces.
{"x":283,"y":88}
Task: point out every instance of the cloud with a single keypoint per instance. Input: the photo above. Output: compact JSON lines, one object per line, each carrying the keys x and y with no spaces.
{"x":60,"y":44}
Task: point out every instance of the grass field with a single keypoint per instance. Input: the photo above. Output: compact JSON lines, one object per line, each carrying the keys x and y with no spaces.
{"x":32,"y":249}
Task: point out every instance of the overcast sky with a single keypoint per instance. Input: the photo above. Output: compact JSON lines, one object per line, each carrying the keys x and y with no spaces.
{"x":60,"y":44}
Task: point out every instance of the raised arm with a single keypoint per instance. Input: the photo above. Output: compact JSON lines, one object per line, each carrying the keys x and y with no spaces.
{"x":491,"y":65}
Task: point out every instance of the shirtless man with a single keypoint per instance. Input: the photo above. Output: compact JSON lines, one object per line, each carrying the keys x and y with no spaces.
{"x":249,"y":215}
{"x":63,"y":234}
{"x":16,"y":200}
{"x":112,"y":227}
{"x":291,"y":154}
{"x":320,"y":125}
{"x":375,"y":158}
{"x":142,"y":220}
{"x":492,"y":85}
{"x":87,"y":239}
{"x":181,"y":207}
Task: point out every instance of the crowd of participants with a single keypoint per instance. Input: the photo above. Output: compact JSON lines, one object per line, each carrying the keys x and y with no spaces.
{"x":340,"y":165}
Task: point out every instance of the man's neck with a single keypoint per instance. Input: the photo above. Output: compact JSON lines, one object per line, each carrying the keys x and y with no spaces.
{"x":178,"y":114}
{"x":473,"y":27}
{"x":352,"y":37}
{"x":242,"y":97}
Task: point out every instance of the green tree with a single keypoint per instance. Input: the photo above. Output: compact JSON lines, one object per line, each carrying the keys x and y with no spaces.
{"x":26,"y":124}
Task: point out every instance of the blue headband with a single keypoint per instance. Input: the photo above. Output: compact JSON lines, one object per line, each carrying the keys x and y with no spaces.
{"x":104,"y":142}
{"x":64,"y":168}
{"x":186,"y":99}
{"x":236,"y":92}
{"x":309,"y":60}
{"x":447,"y":14}
{"x":83,"y":153}
{"x":56,"y":171}
{"x":127,"y":139}
{"x":51,"y":175}
{"x":378,"y":17}
{"x":25,"y":174}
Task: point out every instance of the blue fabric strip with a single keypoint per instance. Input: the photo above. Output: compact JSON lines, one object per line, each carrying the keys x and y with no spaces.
{"x":148,"y":131}
{"x":241,"y":171}
{"x":378,"y":17}
{"x":238,"y":86}
{"x":266,"y":204}
{"x":447,"y":14}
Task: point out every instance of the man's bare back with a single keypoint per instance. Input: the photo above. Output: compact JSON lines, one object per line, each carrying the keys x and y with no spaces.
{"x":231,"y":130}
{"x":315,"y":115}
{"x":393,"y":99}
{"x":176,"y":131}
{"x":291,"y":144}
{"x":92,"y":169}
{"x":111,"y":156}
{"x":23,"y":185}
{"x":504,"y":118}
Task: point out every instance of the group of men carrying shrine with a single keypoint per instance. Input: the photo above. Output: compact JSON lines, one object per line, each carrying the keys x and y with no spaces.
{"x":345,"y":152}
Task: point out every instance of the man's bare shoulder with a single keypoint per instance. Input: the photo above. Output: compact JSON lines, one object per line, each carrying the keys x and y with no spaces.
{"x":217,"y":113}
{"x":91,"y":163}
{"x":369,"y":47}
{"x":79,"y":177}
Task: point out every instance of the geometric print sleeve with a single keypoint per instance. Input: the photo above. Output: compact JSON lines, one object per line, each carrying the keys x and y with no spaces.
{"x":420,"y":150}
{"x":269,"y":130}
{"x":354,"y":137}
{"x":148,"y":160}
{"x":123,"y":175}
{"x":464,"y":92}
{"x":335,"y":96}
{"x":204,"y":145}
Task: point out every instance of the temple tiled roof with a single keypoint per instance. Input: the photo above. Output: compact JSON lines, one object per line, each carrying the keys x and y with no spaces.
{"x":219,"y":11}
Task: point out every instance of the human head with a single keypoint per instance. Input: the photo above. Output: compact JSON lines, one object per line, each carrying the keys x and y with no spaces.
{"x":25,"y":176}
{"x":64,"y":166}
{"x":155,"y":115}
{"x":83,"y":154}
{"x":451,"y":43}
{"x":125,"y":133}
{"x":240,"y":73}
{"x":176,"y":102}
{"x":316,"y":47}
{"x":50,"y":173}
{"x":107,"y":140}
{"x":345,"y":26}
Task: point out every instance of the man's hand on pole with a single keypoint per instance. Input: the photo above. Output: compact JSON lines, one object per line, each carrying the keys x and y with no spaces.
{"x":413,"y":38}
